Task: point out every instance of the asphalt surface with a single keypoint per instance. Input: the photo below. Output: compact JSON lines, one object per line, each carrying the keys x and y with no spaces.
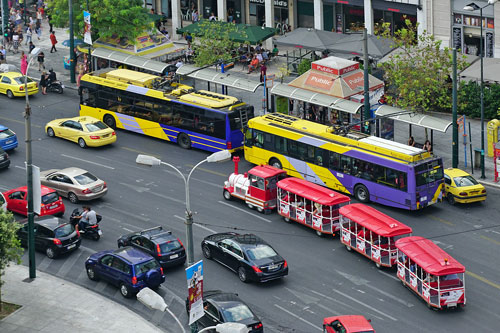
{"x":324,"y":278}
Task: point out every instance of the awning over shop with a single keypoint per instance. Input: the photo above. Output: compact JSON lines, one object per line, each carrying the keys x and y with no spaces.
{"x":414,"y":118}
{"x":228,"y":79}
{"x":131,"y":60}
{"x":304,"y":95}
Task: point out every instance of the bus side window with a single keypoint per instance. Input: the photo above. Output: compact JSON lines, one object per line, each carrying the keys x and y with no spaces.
{"x":258,"y":139}
{"x":88,"y":96}
{"x":334,"y":162}
{"x":345,"y":163}
{"x":268,"y":141}
{"x":280,"y":145}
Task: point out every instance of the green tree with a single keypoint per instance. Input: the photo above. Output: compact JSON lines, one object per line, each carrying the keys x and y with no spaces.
{"x":304,"y":66}
{"x":469,"y":99}
{"x":10,"y":246}
{"x":418,"y":76}
{"x":213,"y":42}
{"x":125,"y":19}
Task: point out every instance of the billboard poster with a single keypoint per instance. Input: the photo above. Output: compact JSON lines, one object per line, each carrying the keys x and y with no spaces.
{"x":87,"y":36}
{"x":194,"y":275}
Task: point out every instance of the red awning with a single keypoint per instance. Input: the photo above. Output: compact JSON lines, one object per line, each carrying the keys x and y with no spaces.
{"x":312,"y":191}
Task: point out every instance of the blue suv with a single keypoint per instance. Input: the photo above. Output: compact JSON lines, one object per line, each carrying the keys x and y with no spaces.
{"x":127,"y":268}
{"x":8,"y":139}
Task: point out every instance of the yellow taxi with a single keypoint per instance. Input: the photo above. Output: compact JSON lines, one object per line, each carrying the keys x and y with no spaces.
{"x":12,"y":84}
{"x":462,"y":187}
{"x":86,"y":131}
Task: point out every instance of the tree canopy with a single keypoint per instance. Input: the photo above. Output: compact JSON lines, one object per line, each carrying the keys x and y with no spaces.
{"x":418,"y":76}
{"x":109,"y":18}
{"x":10,"y":246}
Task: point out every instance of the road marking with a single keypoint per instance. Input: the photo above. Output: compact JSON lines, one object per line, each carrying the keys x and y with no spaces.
{"x":20,"y":167}
{"x":128,"y":165}
{"x":87,"y":161}
{"x":67,"y":265}
{"x":485,"y":280}
{"x":209,"y":171}
{"x":20,"y":122}
{"x":247,"y":212}
{"x":491,"y":240}
{"x":388,"y":275}
{"x":127,"y":229}
{"x":182,"y":202}
{"x":365,"y":305}
{"x":328,"y":310}
{"x":140,"y":152}
{"x":435,"y":218}
{"x":142,"y":218}
{"x":394,"y":298}
{"x":298,"y":317}
{"x":196,"y":224}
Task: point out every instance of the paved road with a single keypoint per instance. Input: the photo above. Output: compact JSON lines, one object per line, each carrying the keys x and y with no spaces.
{"x":324,"y":278}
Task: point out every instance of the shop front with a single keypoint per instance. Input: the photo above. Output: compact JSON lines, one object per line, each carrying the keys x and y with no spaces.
{"x":258,"y":12}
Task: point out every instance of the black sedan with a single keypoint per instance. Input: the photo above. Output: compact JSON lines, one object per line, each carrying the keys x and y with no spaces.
{"x":248,"y":255}
{"x":52,"y":235}
{"x":220,"y":307}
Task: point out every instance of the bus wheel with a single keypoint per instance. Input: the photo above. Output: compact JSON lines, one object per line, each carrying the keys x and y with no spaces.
{"x":348,"y":248}
{"x":227,"y":195}
{"x":260,"y":209}
{"x":451,"y":199}
{"x":184,"y":141}
{"x":319,"y":233}
{"x":361,"y":193}
{"x":287,"y":219}
{"x":110,"y":121}
{"x":275,"y":163}
{"x":379,"y":266}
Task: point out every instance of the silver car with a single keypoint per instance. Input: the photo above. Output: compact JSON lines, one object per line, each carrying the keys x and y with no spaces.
{"x":74,"y":183}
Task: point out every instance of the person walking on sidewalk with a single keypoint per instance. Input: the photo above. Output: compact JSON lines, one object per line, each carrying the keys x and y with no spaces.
{"x":38,"y":29}
{"x":29,"y":34}
{"x":24,"y":63}
{"x":43,"y":82}
{"x":15,"y":41}
{"x":49,"y":19}
{"x":53,"y":40}
{"x":31,"y":46}
{"x":41,"y":59}
{"x":2,"y":54}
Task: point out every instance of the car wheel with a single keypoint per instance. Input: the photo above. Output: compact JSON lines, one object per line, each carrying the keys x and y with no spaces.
{"x":50,"y":132}
{"x":207,"y":253}
{"x":451,"y":199}
{"x":379,"y":266}
{"x":287,"y":219}
{"x":82,"y":143}
{"x":91,"y":274}
{"x":274,"y":162}
{"x":72,"y":197}
{"x":110,"y":121}
{"x":361,"y":193}
{"x":10,"y":94}
{"x":249,"y":205}
{"x":242,"y":274}
{"x":184,"y":141}
{"x":348,"y":248}
{"x":51,"y":254}
{"x":227,"y":195}
{"x":260,"y":209}
{"x":319,"y":233}
{"x":125,"y":291}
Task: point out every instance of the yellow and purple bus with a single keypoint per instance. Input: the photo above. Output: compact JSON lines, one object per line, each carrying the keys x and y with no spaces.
{"x":368,"y":167}
{"x":150,"y":105}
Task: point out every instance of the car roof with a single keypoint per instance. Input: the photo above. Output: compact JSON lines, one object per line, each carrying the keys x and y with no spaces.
{"x":44,"y":189}
{"x":132,"y":255}
{"x":221,"y":296}
{"x":72,"y":171}
{"x":156,"y":234}
{"x":454,"y":172}
{"x":354,"y":323}
{"x":245,"y":240}
{"x":13,"y":74}
{"x":50,"y":222}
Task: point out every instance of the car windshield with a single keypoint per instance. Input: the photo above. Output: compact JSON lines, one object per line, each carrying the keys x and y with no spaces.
{"x":170,"y":246}
{"x":237,"y":313}
{"x":20,"y":80}
{"x":465,"y":181}
{"x":6,"y":133}
{"x":50,"y":198}
{"x":260,"y":252}
{"x":146,"y":266}
{"x":97,"y":126}
{"x":85,"y":178}
{"x":64,"y":230}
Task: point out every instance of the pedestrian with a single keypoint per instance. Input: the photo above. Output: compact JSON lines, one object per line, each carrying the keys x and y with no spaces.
{"x":212,"y":17}
{"x":38,"y":29}
{"x":428,"y":146}
{"x":53,"y":40}
{"x":411,"y":141}
{"x":43,"y":82}
{"x":31,"y":46}
{"x":49,"y":19}
{"x":29,"y":34}
{"x":2,"y":54}
{"x":24,"y":63}
{"x":39,"y":15}
{"x":15,"y":42}
{"x":263,"y":72}
{"x":194,"y":16}
{"x":41,"y":59}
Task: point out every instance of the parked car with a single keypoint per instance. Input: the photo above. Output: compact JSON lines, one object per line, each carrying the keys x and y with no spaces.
{"x":3,"y":202}
{"x":160,"y":244}
{"x":4,"y":159}
{"x":461,"y":187}
{"x":127,"y":268}
{"x":74,"y":183}
{"x":53,"y":236}
{"x":347,"y":324}
{"x":8,"y":139}
{"x":222,"y":307}
{"x":86,"y":131}
{"x":248,"y":255}
{"x":17,"y":201}
{"x":12,"y":84}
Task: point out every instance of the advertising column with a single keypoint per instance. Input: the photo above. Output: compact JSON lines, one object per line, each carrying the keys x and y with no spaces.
{"x":194,"y":275}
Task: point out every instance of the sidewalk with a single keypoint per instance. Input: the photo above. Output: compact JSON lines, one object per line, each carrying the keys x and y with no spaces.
{"x":51,"y":304}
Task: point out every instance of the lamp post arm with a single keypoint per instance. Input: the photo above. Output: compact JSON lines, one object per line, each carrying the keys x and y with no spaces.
{"x":188,"y":204}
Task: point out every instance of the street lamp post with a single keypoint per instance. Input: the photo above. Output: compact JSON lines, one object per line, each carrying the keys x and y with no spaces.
{"x":29,"y":170}
{"x":220,"y":156}
{"x":472,"y":7}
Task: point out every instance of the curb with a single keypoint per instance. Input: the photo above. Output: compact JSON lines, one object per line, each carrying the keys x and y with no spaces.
{"x":491,"y":184}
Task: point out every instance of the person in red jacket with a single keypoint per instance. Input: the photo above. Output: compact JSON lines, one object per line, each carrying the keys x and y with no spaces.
{"x":53,"y":40}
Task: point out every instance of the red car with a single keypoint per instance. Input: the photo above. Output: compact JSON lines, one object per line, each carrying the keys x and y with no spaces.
{"x":347,"y":324}
{"x":17,"y":201}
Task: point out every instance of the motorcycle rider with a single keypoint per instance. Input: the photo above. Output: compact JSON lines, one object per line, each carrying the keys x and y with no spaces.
{"x":88,"y":218}
{"x":52,"y":76}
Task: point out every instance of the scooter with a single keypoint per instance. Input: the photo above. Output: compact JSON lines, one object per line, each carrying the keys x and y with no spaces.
{"x":55,"y":86}
{"x":90,"y":231}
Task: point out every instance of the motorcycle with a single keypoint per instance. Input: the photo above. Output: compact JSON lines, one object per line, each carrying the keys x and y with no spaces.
{"x":55,"y":86}
{"x":90,"y":231}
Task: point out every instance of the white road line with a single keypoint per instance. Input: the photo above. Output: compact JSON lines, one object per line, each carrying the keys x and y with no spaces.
{"x":127,"y":229}
{"x":298,"y":317}
{"x":3,"y":188}
{"x":20,"y":167}
{"x":87,"y":249}
{"x":246,"y":211}
{"x":394,"y":298}
{"x":142,"y":218}
{"x":388,"y":275}
{"x":363,"y":304}
{"x":196,"y":224}
{"x":328,"y":310}
{"x":87,"y":161}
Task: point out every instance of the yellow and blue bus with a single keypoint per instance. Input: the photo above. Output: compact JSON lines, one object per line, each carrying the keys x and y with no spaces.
{"x":148,"y":104}
{"x":368,"y":167}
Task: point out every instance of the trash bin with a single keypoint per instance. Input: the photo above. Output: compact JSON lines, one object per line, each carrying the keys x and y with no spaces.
{"x":477,"y":158}
{"x":67,"y":64}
